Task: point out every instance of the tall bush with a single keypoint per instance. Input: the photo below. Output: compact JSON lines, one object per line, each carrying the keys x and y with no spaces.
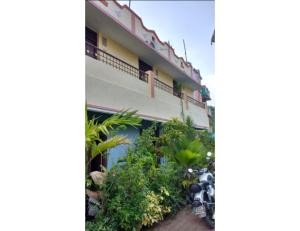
{"x":179,"y":143}
{"x":140,"y":191}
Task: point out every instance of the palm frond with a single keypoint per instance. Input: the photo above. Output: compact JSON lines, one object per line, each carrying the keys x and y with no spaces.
{"x":186,"y":157}
{"x":123,"y":118}
{"x":108,"y":144}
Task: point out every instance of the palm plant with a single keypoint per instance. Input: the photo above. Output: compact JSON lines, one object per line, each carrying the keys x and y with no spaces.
{"x":185,"y":152}
{"x":94,"y":145}
{"x":180,"y":143}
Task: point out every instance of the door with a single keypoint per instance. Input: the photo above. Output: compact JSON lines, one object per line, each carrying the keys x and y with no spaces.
{"x":143,"y":67}
{"x":90,"y":42}
{"x":176,"y":89}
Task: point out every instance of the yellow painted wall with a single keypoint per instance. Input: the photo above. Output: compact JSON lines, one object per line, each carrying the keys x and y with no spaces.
{"x":188,"y":91}
{"x":123,"y":53}
{"x":118,"y":50}
{"x":163,"y":76}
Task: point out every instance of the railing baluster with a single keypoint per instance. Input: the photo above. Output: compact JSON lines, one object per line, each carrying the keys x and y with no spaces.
{"x":119,"y":64}
{"x":114,"y":62}
{"x":165,"y":87}
{"x":196,"y":102}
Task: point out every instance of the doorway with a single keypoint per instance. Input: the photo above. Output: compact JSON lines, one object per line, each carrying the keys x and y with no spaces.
{"x":91,"y":38}
{"x":143,"y":67}
{"x":176,"y":89}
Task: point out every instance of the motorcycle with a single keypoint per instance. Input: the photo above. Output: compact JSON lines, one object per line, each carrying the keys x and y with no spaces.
{"x":202,"y":195}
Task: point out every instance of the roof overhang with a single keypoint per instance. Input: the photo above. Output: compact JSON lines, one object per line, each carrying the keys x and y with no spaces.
{"x":100,"y":21}
{"x":101,"y":109}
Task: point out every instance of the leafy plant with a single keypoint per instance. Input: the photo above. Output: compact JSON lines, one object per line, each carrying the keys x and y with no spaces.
{"x":154,"y":211}
{"x":166,"y":181}
{"x":180,"y":145}
{"x":126,"y":190}
{"x":207,"y":139}
{"x":94,"y":145}
{"x":140,"y":191}
{"x":101,"y":223}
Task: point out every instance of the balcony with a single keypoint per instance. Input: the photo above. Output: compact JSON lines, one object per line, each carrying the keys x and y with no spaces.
{"x":165,"y":87}
{"x":125,"y":27}
{"x":205,"y":93}
{"x":195,"y":102}
{"x":112,"y":85}
{"x":115,"y":62}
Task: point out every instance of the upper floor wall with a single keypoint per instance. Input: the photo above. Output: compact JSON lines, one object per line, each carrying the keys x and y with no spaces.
{"x":110,"y":89}
{"x":112,"y":47}
{"x":124,"y":16}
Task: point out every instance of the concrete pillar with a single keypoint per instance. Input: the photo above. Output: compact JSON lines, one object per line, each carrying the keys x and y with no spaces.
{"x":206,"y":108}
{"x":133,"y":23}
{"x":151,"y":80}
{"x":197,"y":96}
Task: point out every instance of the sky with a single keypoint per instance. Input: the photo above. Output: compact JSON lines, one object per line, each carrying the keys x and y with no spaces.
{"x":193,"y":21}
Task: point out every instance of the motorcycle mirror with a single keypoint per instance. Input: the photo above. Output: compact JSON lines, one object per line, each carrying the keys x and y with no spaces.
{"x":190,"y":170}
{"x":209,"y":154}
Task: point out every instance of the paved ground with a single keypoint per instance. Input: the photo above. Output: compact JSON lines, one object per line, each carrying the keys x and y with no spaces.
{"x":183,"y":221}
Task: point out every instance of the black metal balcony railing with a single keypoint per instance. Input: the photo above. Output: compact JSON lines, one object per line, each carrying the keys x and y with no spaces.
{"x":115,"y":62}
{"x":196,"y":102}
{"x":121,"y":65}
{"x":165,"y":87}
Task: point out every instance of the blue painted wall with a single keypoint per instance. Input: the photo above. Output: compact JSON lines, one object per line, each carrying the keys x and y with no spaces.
{"x":120,"y":151}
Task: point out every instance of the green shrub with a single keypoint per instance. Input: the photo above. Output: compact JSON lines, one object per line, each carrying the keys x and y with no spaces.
{"x":154,"y":211}
{"x":168,"y":177}
{"x":140,"y":191}
{"x":207,"y":139}
{"x":180,"y":144}
{"x":101,"y":223}
{"x":126,"y":195}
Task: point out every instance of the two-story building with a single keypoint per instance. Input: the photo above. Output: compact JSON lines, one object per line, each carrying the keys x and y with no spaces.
{"x":129,"y":67}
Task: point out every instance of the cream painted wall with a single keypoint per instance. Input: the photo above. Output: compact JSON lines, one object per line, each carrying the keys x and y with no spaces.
{"x":163,"y":76}
{"x":111,"y":88}
{"x":188,"y":91}
{"x":198,"y":114}
{"x":166,"y":78}
{"x":123,"y":53}
{"x":118,"y":50}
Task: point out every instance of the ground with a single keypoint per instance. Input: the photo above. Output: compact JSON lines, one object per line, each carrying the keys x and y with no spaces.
{"x":184,"y":220}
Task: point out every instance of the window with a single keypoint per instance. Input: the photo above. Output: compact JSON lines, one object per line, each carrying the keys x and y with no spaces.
{"x":182,"y":65}
{"x":104,"y":42}
{"x":153,"y":39}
